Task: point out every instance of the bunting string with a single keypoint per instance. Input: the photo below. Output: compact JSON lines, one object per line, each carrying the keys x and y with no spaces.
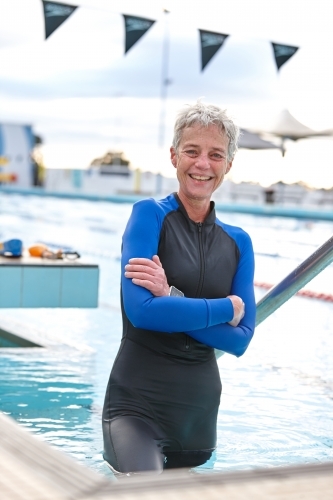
{"x":56,"y":13}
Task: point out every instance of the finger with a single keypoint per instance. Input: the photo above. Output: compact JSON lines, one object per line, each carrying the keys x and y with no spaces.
{"x":136,"y":268}
{"x":142,"y":261}
{"x":157,"y":261}
{"x":142,"y":276}
{"x":142,"y":282}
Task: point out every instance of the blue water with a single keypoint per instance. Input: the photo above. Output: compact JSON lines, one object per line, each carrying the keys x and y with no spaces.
{"x":277,"y":402}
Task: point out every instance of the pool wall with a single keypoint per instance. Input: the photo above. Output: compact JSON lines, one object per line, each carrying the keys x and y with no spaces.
{"x":262,"y":210}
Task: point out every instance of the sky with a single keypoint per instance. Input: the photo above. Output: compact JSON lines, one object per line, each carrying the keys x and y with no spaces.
{"x":83,"y":96}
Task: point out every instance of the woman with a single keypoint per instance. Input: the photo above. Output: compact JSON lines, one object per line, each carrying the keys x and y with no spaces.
{"x":187,"y":288}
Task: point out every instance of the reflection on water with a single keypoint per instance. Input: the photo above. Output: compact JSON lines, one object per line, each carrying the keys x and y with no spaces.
{"x":277,"y":401}
{"x":51,"y":392}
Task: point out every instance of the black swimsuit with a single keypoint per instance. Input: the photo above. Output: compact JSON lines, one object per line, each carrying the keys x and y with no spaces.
{"x":164,"y":390}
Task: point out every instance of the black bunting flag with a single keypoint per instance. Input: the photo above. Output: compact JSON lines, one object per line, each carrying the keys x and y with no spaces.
{"x":55,"y":14}
{"x":135,"y":27}
{"x":282,"y":53}
{"x":210,"y":44}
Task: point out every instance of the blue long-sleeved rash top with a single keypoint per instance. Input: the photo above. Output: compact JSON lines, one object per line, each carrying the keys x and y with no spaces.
{"x":222,"y":258}
{"x":166,"y":372}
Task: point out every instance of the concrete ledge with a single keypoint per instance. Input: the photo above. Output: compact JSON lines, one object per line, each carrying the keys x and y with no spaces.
{"x":33,"y":470}
{"x":35,"y":282}
{"x":307,"y":482}
{"x":8,"y":339}
{"x":20,"y":334}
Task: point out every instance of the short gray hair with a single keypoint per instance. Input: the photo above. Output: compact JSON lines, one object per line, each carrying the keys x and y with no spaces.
{"x":205,"y":115}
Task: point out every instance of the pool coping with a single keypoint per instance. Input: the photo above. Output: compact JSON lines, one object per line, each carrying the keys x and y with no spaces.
{"x":34,"y":470}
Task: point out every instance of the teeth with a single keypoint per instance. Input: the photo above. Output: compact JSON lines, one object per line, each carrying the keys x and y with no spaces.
{"x":200,"y":177}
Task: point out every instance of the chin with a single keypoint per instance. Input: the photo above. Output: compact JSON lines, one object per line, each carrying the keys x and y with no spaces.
{"x":197,"y":195}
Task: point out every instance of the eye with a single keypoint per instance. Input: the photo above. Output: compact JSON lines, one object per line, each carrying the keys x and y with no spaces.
{"x":191,"y":152}
{"x":218,"y":156}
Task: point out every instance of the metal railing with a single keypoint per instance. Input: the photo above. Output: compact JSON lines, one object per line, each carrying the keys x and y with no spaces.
{"x":292,"y":283}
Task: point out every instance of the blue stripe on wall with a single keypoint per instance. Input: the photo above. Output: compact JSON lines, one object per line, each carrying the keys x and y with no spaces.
{"x":30,"y":136}
{"x":30,"y":143}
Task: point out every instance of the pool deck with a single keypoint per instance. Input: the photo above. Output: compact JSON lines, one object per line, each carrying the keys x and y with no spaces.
{"x":33,"y":470}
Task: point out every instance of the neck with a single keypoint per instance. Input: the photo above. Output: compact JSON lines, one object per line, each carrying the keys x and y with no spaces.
{"x":197,"y":210}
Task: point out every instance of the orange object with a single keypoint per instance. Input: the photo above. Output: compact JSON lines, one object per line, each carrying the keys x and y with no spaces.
{"x":4,"y":177}
{"x":44,"y":252}
{"x":37,"y":250}
{"x":303,"y":293}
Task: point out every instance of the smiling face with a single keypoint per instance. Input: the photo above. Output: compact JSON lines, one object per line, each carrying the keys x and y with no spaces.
{"x":201,"y":162}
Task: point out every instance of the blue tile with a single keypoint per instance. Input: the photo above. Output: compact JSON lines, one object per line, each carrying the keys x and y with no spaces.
{"x":79,"y":287}
{"x":10,"y":286}
{"x":41,"y":286}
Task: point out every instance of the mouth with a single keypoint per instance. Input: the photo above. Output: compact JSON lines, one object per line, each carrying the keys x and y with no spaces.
{"x":200,"y":177}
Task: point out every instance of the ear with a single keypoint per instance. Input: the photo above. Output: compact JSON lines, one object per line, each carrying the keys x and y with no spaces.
{"x":229,"y":165}
{"x":173,"y":156}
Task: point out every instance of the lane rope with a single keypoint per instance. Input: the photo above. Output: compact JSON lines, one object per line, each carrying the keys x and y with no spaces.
{"x":302,"y":293}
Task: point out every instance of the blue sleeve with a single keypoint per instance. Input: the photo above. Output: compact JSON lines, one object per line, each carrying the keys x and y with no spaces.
{"x":164,"y":314}
{"x":235,"y":340}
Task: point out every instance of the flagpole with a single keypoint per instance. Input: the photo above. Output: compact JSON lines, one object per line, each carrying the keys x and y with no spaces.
{"x":165,"y":81}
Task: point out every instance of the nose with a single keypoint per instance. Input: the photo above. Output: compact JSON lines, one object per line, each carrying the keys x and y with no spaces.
{"x":202,"y":161}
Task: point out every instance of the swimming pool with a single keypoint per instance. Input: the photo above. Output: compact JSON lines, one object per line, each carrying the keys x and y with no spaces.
{"x":277,"y":402}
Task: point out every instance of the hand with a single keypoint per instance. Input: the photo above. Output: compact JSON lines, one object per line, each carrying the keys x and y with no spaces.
{"x":149,"y":274}
{"x":239,"y":309}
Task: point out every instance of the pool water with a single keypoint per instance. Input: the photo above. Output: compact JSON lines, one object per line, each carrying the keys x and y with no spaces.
{"x":277,"y":401}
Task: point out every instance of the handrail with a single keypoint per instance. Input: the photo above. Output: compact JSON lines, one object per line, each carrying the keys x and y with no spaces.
{"x":291,"y":284}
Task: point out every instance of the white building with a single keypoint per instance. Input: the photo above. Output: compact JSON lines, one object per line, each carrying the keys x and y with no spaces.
{"x":119,"y":180}
{"x":16,"y":144}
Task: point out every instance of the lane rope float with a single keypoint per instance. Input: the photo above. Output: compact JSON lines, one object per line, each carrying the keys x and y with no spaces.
{"x":302,"y":293}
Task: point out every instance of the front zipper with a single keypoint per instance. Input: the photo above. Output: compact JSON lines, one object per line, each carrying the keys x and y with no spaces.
{"x":202,"y":265}
{"x":199,"y":289}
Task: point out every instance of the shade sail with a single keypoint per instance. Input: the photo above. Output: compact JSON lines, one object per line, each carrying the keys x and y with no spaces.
{"x":286,"y":126}
{"x":250,"y":140}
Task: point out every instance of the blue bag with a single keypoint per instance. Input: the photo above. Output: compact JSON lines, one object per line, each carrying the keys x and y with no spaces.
{"x":11,"y":248}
